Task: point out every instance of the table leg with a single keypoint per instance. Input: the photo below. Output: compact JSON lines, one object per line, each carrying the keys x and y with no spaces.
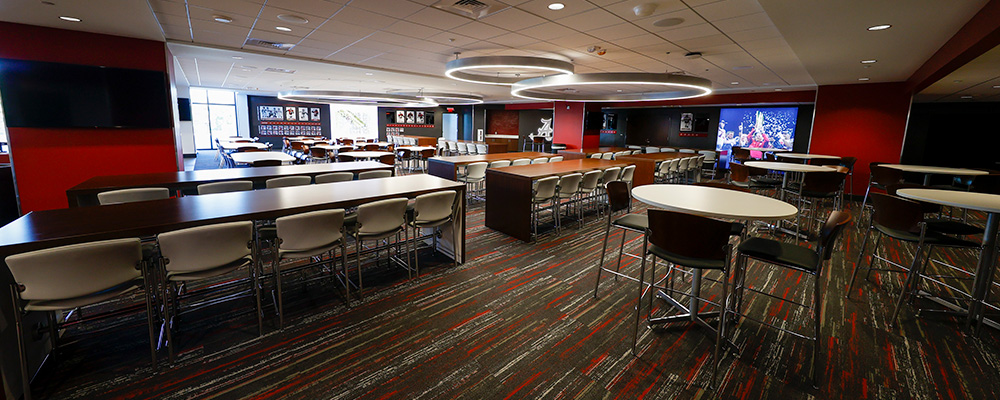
{"x":689,"y":313}
{"x":984,"y":273}
{"x":927,"y":179}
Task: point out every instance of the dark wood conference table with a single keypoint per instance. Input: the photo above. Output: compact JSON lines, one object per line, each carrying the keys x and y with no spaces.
{"x":508,"y":192}
{"x":447,"y":167}
{"x":645,"y":165}
{"x":45,"y":229}
{"x":572,"y":154}
{"x":85,"y":194}
{"x":423,"y":140}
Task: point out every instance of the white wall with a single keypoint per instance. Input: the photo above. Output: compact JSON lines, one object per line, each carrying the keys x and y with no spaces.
{"x":242,"y":115}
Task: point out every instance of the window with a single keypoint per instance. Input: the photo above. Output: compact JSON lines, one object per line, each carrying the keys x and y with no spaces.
{"x":213,"y":113}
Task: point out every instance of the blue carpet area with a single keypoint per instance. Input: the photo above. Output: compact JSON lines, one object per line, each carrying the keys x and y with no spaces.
{"x":206,"y":160}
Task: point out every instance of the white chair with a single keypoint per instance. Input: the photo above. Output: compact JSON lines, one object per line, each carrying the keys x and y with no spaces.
{"x":540,"y":160}
{"x":225,"y":187}
{"x":452,"y":148}
{"x":556,"y":159}
{"x":133,"y":195}
{"x":475,"y":176}
{"x":374,"y":174}
{"x":334,"y":177}
{"x":309,"y":235}
{"x":607,"y":156}
{"x":667,"y":150}
{"x":636,"y":152}
{"x":682,"y":167}
{"x":431,"y":211}
{"x":70,"y":277}
{"x":544,"y":191}
{"x":287,"y":181}
{"x":463,"y":149}
{"x":610,"y":175}
{"x":376,"y":221}
{"x":628,"y":173}
{"x":708,"y":162}
{"x":662,"y":173}
{"x":499,"y":164}
{"x":651,"y":149}
{"x":568,"y":188}
{"x":596,"y":155}
{"x":199,"y":253}
{"x":634,"y":147}
{"x":689,"y":151}
{"x":588,"y":188}
{"x":521,"y":161}
{"x":482,"y":149}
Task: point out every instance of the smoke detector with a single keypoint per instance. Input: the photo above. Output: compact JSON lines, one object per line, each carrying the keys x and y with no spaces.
{"x":474,"y":9}
{"x":644,"y":10}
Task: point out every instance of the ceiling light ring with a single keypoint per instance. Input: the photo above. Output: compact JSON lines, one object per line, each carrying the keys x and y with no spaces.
{"x":359,"y":98}
{"x":446,"y":98}
{"x":454,"y":69}
{"x":687,"y":87}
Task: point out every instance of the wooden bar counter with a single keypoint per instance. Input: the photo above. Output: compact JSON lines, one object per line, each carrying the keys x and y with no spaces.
{"x":491,"y":147}
{"x":447,"y":167}
{"x":645,"y":165}
{"x":85,"y":194}
{"x":508,"y":192}
{"x":424,"y":140}
{"x":573,"y":154}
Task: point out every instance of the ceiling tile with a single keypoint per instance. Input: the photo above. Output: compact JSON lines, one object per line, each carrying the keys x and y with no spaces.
{"x":547,"y":31}
{"x":412,"y":30}
{"x":575,"y":41}
{"x":211,"y":27}
{"x":176,"y":32}
{"x":357,"y":31}
{"x":699,"y":43}
{"x":168,"y":7}
{"x":512,"y":19}
{"x":541,"y":8}
{"x":271,"y":14}
{"x":626,"y":9}
{"x":229,"y":7}
{"x":728,"y":9}
{"x":690,"y":32}
{"x":452,"y":39}
{"x":513,"y":40}
{"x":392,"y":8}
{"x":638,"y":41}
{"x":766,"y":32}
{"x":167,"y":19}
{"x":478,"y":30}
{"x":593,"y":19}
{"x":438,"y":19}
{"x":353,"y":15}
{"x":618,"y":31}
{"x":322,"y":9}
{"x":752,"y":21}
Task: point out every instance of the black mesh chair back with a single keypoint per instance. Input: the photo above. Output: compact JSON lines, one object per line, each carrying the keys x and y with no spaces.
{"x":823,"y":182}
{"x":739,"y":172}
{"x":897,"y":213}
{"x":618,"y":196}
{"x":885,"y":176}
{"x":824,"y":161}
{"x":928,"y":208}
{"x":689,"y":235}
{"x":831,"y":231}
{"x":848,"y":162}
{"x":266,"y":163}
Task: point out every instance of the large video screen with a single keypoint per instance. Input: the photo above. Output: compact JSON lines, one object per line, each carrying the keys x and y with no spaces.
{"x":767,"y":128}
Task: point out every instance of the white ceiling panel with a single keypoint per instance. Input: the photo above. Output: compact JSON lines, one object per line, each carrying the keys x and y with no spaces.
{"x":590,"y":20}
{"x":513,"y":19}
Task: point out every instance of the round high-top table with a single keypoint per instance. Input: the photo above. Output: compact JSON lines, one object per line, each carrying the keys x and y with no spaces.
{"x":710,"y":202}
{"x":367,"y":154}
{"x":236,"y":145}
{"x":806,"y":157}
{"x":786,"y":167}
{"x":249,"y":158}
{"x":333,"y":147}
{"x":989,"y":203}
{"x":415,"y":148}
{"x":764,"y":149}
{"x":928,"y":170}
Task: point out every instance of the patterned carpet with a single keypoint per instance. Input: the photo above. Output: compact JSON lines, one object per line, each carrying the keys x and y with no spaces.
{"x":519,"y":321}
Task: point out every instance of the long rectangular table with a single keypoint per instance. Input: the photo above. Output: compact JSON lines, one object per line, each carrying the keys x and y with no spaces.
{"x":85,"y":194}
{"x":45,"y":229}
{"x":491,"y":147}
{"x":423,"y":140}
{"x":447,"y":167}
{"x":572,"y":154}
{"x":645,"y":165}
{"x":508,"y":192}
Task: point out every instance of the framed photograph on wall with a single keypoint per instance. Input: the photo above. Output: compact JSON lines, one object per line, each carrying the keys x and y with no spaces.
{"x":271,"y":113}
{"x":400,"y":117}
{"x":314,"y":114}
{"x":411,"y":117}
{"x":429,"y":118}
{"x":420,"y":117}
{"x":687,"y":122}
{"x":291,"y":114}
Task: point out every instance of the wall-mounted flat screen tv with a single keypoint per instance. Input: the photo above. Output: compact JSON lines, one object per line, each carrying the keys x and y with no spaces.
{"x":55,"y":95}
{"x":765,"y":128}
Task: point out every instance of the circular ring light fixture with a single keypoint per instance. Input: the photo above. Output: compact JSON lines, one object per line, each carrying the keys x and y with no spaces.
{"x":358,"y":98}
{"x":444,"y":98}
{"x":612,"y":86}
{"x":504,"y":70}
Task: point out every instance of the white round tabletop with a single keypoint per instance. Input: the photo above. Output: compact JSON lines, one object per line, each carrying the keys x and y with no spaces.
{"x":333,"y":147}
{"x":927,"y":169}
{"x":367,"y":154}
{"x":971,"y":200}
{"x":235,"y":145}
{"x":764,"y":149}
{"x":415,"y":148}
{"x":803,"y":156}
{"x":247,"y":158}
{"x":787,"y":167}
{"x":714,"y":202}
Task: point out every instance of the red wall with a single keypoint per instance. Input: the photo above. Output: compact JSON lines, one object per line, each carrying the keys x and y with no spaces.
{"x":568,"y":124}
{"x":866,"y":121}
{"x":49,"y":161}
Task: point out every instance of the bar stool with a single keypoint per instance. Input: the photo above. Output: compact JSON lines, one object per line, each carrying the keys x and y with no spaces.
{"x":225,"y":187}
{"x":543,"y":191}
{"x":308,"y":235}
{"x":538,"y":143}
{"x":568,"y":187}
{"x":619,"y":199}
{"x":431,"y":211}
{"x":75,"y":276}
{"x":374,"y":174}
{"x":879,"y":178}
{"x":588,"y":188}
{"x":132,"y":195}
{"x":521,"y":161}
{"x":475,"y":176}
{"x":287,"y":181}
{"x":556,"y":159}
{"x":540,"y":160}
{"x":380,"y":220}
{"x":499,"y":164}
{"x":334,"y":177}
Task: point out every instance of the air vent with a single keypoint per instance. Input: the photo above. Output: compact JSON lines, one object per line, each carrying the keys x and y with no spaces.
{"x":474,"y":9}
{"x":280,"y":70}
{"x":270,"y":45}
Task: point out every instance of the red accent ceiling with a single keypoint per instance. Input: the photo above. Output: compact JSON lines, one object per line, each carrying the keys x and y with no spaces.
{"x":49,"y":161}
{"x":979,"y":35}
{"x":866,"y":121}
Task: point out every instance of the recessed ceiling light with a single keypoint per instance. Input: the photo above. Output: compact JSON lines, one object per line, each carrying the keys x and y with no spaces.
{"x":295,"y":19}
{"x":369,"y":73}
{"x":863,"y":79}
{"x":881,"y":27}
{"x":734,"y":83}
{"x":70,"y":19}
{"x":556,"y":6}
{"x":237,"y":58}
{"x":777,"y":90}
{"x":968,"y":96}
{"x":667,"y":22}
{"x":222,"y":18}
{"x":283,"y":28}
{"x":869,"y":61}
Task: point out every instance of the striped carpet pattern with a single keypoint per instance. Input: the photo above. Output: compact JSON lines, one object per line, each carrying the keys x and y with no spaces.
{"x":519,"y":321}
